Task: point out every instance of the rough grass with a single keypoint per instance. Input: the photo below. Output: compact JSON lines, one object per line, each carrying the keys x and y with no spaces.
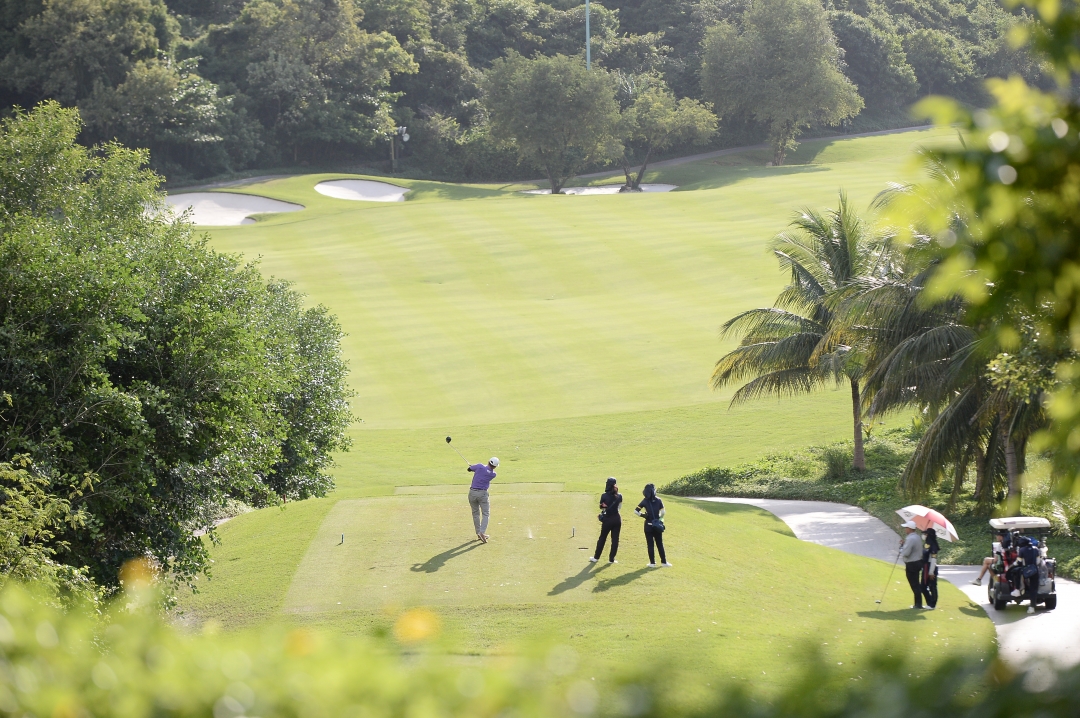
{"x":809,"y":474}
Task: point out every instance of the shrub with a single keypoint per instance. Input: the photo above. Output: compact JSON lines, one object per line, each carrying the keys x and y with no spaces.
{"x":126,"y":662}
{"x":837,"y":462}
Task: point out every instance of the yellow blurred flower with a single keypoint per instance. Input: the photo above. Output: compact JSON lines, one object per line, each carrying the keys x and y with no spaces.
{"x":415,"y":625}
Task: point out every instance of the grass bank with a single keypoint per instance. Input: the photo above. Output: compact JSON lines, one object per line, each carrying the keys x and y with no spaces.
{"x":823,"y":473}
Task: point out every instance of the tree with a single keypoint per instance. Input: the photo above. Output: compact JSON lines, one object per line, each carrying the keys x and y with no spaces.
{"x":308,"y":73}
{"x":164,"y":107}
{"x":73,"y":46}
{"x":148,"y":374}
{"x":979,"y":405}
{"x":874,"y":60}
{"x":781,"y":66}
{"x":924,"y":356}
{"x":559,"y":115}
{"x":30,"y":519}
{"x":939,"y":61}
{"x":798,"y":344}
{"x":1017,"y":258}
{"x":655,"y":120}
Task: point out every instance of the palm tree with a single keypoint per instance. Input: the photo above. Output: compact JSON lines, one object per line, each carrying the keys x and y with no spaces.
{"x":925,"y":355}
{"x":795,"y":346}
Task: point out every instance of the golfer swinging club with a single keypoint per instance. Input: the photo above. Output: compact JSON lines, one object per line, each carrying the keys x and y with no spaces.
{"x":478,"y":496}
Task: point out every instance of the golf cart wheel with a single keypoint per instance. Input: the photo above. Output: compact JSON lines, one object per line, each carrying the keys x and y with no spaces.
{"x":1051,"y":602}
{"x":1000,"y":604}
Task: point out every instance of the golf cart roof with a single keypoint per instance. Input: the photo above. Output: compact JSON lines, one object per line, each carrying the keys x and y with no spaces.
{"x":1021,"y":523}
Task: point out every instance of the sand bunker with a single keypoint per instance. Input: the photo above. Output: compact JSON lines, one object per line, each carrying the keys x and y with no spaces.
{"x":220,"y":209}
{"x":362,"y":190}
{"x":606,"y":189}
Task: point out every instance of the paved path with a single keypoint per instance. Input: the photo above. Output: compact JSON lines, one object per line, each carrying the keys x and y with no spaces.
{"x":1023,"y":640}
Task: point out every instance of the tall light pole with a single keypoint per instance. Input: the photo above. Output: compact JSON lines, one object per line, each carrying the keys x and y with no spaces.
{"x":404,"y":135}
{"x":588,"y":39}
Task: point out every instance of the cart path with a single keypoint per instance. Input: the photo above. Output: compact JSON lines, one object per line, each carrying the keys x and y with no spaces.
{"x":1023,"y":640}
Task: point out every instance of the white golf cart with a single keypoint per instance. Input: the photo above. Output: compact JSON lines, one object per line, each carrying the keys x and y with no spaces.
{"x":1005,"y":571}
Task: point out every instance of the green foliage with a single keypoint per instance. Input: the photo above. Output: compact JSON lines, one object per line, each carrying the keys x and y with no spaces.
{"x":1014,"y":257}
{"x":217,"y":87}
{"x":808,"y":475}
{"x":557,"y":114}
{"x":129,"y":663}
{"x":837,"y":462}
{"x":655,"y":120}
{"x":939,"y":62}
{"x":145,"y":371}
{"x":74,"y":46}
{"x":801,"y":343}
{"x":30,"y":519}
{"x":781,"y":67}
{"x":307,"y":73}
{"x":874,"y":60}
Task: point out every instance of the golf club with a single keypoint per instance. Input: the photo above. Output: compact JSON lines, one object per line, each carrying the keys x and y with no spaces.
{"x":890,"y":573}
{"x":455,"y":450}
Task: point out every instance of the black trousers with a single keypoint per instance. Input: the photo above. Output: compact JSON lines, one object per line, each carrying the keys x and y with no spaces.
{"x":929,"y":588}
{"x":1031,"y":589}
{"x":652,"y":537}
{"x":605,"y":529}
{"x":913,"y":569}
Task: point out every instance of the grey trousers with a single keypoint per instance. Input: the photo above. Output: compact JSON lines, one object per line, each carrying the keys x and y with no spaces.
{"x":478,"y":501}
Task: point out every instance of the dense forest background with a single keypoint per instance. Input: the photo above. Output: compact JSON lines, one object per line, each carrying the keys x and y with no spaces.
{"x":213,"y":87}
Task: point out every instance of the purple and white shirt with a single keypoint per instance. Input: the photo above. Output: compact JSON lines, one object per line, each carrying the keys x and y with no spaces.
{"x":482,"y":476}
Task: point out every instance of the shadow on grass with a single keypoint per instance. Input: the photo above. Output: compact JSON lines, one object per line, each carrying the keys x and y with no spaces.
{"x":608,"y":584}
{"x":907,"y":615}
{"x":971,"y":611}
{"x":574,"y":581}
{"x":427,"y":191}
{"x":691,"y":177}
{"x":776,"y":525}
{"x":436,"y":562}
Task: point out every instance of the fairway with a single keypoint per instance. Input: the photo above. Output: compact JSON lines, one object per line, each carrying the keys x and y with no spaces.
{"x":573,"y":337}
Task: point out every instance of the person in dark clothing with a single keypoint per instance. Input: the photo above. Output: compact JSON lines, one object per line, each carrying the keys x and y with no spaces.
{"x":930,"y":568}
{"x":651,"y":509}
{"x":1029,"y":554}
{"x":610,"y":501}
{"x":911,"y":553}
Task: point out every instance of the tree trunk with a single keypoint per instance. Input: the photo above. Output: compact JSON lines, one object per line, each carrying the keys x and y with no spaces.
{"x":1012,"y":469}
{"x":626,"y":171}
{"x":980,"y":474}
{"x":641,"y":172}
{"x":556,"y":182}
{"x":780,"y":142}
{"x":958,"y":482}
{"x":859,"y":455}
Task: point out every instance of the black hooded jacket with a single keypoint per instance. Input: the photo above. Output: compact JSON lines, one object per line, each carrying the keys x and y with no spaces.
{"x":650,"y":506}
{"x":610,"y":501}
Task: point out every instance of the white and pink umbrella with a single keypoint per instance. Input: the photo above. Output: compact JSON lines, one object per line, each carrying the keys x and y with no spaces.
{"x":926,"y":518}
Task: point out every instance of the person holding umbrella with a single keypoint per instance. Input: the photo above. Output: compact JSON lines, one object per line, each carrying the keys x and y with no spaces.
{"x":930,"y":569}
{"x":911,"y":552}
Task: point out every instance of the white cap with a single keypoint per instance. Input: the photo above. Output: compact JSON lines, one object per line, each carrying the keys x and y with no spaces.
{"x":908,"y":525}
{"x":494,"y":461}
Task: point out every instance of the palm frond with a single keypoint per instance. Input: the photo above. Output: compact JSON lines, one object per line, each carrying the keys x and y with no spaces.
{"x":768,"y":322}
{"x":753,"y":360}
{"x":785,"y":383}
